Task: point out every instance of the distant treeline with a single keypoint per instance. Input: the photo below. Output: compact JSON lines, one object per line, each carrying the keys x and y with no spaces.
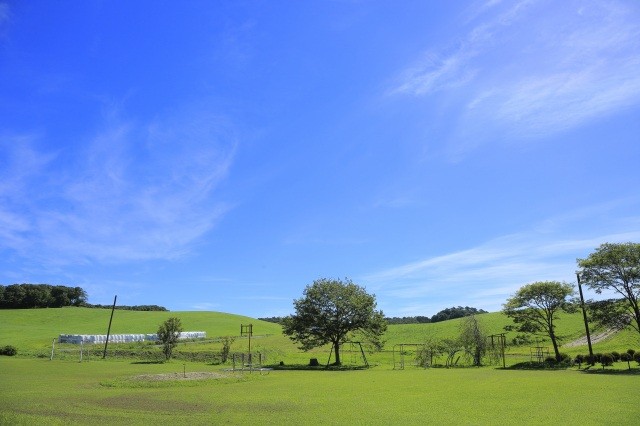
{"x":21,"y":296}
{"x":456,"y":312}
{"x":408,"y":320}
{"x":277,"y":320}
{"x":129,"y":308}
{"x":27,"y":296}
{"x":443,"y":315}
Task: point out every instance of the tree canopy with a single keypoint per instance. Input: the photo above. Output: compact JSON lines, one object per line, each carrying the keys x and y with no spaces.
{"x":331,"y":311}
{"x":456,"y":312}
{"x":535,"y":307}
{"x":21,"y":296}
{"x":168,"y":334}
{"x":615,"y":267}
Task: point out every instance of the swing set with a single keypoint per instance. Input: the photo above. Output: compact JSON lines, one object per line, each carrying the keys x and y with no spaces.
{"x":355,"y":350}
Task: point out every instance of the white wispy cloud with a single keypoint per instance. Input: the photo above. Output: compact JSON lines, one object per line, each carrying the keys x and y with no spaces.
{"x":435,"y":73}
{"x":5,"y":19}
{"x":136,"y":192}
{"x":4,"y":12}
{"x":485,"y":275}
{"x":444,"y":69}
{"x":536,"y":67}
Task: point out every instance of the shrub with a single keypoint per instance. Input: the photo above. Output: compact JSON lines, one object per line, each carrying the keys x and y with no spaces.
{"x":631,"y":352}
{"x":227,"y":341}
{"x":8,"y":350}
{"x":565,"y":360}
{"x":636,"y":357}
{"x":550,"y":360}
{"x":579,"y":359}
{"x":606,"y":359}
{"x":616,"y":356}
{"x":628,"y":358}
{"x":521,"y":339}
{"x":597,"y":357}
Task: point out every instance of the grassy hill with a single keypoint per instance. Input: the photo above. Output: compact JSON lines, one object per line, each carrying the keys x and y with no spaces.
{"x":30,"y":327}
{"x":570,"y":327}
{"x":32,"y":331}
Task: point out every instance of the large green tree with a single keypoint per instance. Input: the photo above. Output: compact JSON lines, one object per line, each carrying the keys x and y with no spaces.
{"x":615,"y":267}
{"x":168,"y":334}
{"x":331,"y":311}
{"x":535,"y":308}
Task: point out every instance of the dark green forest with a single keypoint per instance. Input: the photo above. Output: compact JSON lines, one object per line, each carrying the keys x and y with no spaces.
{"x":23,"y":296}
{"x":30,"y":296}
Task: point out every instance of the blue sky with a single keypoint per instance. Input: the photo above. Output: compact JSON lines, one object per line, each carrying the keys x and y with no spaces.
{"x":223,"y":155}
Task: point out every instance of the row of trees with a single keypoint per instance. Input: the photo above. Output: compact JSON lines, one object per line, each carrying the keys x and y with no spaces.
{"x":129,"y":308}
{"x":29,"y":296}
{"x":335,"y":311}
{"x":535,"y":307}
{"x":20,"y":296}
{"x":444,"y":315}
{"x":456,"y":312}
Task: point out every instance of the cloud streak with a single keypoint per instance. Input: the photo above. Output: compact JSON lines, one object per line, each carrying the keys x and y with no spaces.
{"x":117,"y":200}
{"x":436,"y":73}
{"x":535,"y":68}
{"x":487,"y":274}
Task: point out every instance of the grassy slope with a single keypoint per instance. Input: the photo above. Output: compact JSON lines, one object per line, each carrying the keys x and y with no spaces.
{"x":31,"y":330}
{"x":569,"y":327}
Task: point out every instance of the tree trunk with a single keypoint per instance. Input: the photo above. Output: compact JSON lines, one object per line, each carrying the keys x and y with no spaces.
{"x":337,"y":348}
{"x":636,"y":312}
{"x":555,"y":346}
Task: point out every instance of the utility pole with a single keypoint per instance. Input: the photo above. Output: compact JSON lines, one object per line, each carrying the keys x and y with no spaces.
{"x":584,"y":316}
{"x":104,"y":355}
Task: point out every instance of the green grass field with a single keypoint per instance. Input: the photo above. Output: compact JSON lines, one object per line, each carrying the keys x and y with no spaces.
{"x":61,"y":392}
{"x":35,"y":390}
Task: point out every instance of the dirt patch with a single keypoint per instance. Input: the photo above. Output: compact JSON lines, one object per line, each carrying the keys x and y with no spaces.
{"x":595,"y":338}
{"x":179,"y":376}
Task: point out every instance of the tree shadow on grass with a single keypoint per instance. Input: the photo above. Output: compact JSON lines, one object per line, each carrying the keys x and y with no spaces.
{"x":587,"y":370}
{"x":306,"y":367}
{"x":147,"y":362}
{"x":540,"y":366}
{"x":611,"y":372}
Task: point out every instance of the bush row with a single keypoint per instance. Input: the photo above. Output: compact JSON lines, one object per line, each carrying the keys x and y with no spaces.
{"x":607,"y":359}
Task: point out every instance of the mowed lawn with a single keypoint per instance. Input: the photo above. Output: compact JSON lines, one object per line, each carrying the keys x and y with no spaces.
{"x":39,"y":391}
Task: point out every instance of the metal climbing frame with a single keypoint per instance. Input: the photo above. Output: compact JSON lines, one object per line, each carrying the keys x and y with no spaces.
{"x":539,"y":353}
{"x":247,"y":361}
{"x":400,"y":347}
{"x":498,"y":344}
